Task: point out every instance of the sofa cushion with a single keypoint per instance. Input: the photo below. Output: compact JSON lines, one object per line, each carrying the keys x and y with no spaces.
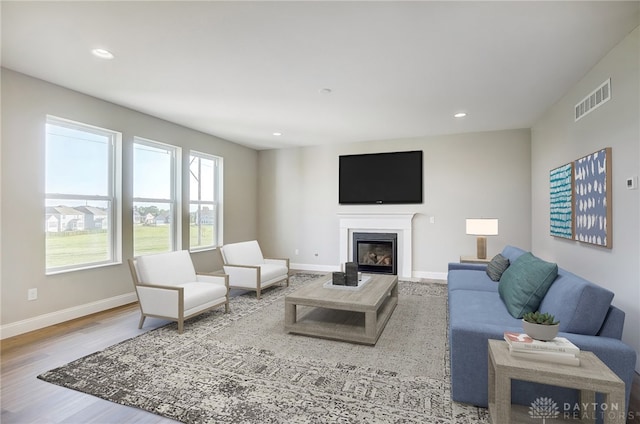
{"x":467,"y":279}
{"x":271,"y":271}
{"x":196,"y":294}
{"x":172,"y":268}
{"x":580,"y":305}
{"x":497,"y":266}
{"x":479,"y":309}
{"x":243,"y":253}
{"x":524,"y":284}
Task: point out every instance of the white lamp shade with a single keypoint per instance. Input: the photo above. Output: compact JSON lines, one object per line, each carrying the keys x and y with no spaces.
{"x":482,"y":226}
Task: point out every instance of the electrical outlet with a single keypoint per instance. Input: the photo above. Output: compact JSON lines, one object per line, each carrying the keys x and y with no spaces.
{"x":432,"y":219}
{"x":632,"y":183}
{"x":32,"y":294}
{"x":297,"y":252}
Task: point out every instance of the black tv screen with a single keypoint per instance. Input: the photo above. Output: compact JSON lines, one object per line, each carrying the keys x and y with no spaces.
{"x":380,"y":178}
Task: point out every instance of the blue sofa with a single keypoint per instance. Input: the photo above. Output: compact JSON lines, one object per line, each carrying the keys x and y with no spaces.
{"x":477,"y":314}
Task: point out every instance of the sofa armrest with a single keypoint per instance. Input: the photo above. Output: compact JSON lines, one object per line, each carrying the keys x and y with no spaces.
{"x":613,"y":323}
{"x":468,"y":266}
{"x":160,"y":300}
{"x":214,"y":278}
{"x":278,"y":261}
{"x":616,"y":354}
{"x":243,"y":275}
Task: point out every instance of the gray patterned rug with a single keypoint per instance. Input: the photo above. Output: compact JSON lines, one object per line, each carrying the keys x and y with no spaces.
{"x":242,"y":368}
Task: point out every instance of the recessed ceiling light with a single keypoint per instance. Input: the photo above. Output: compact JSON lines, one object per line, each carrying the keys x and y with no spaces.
{"x":460,"y":115}
{"x":102,"y":53}
{"x":277,"y":134}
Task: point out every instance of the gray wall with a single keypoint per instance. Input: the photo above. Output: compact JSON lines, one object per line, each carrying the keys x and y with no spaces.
{"x":25,"y":103}
{"x":557,"y":139}
{"x":465,"y":176}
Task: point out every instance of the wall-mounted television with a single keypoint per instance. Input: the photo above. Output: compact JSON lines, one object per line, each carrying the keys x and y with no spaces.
{"x":380,"y":178}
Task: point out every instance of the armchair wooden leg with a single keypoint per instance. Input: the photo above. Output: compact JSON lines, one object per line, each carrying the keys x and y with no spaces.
{"x":180,"y":326}
{"x":258,"y":294}
{"x":287,"y":281}
{"x":141,"y":323}
{"x":226,"y":307}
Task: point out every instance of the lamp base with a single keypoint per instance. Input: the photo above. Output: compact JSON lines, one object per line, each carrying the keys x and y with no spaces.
{"x":482,"y":247}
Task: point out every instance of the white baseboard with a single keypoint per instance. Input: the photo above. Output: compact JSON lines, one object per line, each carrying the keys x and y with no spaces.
{"x":46,"y":320}
{"x":331,"y":268}
{"x":430,"y":275}
{"x":314,"y":267}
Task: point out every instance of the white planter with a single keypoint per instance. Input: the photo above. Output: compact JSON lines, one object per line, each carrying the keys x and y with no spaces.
{"x":540,"y":331}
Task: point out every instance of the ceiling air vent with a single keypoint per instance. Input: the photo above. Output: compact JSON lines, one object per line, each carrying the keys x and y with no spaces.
{"x":594,"y":100}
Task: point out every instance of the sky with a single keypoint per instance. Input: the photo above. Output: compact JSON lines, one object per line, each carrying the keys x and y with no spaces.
{"x":77,"y":163}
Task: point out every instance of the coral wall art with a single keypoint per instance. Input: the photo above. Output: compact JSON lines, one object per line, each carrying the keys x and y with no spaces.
{"x":561,"y":201}
{"x":592,"y":198}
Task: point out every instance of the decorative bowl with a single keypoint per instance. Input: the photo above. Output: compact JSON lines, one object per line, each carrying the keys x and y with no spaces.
{"x":540,"y":331}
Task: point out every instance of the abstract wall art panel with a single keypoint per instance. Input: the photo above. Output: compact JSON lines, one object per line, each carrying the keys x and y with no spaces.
{"x":561,"y":201}
{"x":592,"y":203}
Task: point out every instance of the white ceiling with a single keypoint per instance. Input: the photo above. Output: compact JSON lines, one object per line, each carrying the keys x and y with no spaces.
{"x":244,"y":70}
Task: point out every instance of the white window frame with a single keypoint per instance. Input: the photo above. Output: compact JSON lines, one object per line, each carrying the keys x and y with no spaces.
{"x":174,"y":201}
{"x":114,"y":194}
{"x":216,"y":203}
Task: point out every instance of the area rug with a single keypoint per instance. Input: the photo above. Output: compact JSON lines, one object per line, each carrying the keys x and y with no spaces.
{"x":242,"y":367}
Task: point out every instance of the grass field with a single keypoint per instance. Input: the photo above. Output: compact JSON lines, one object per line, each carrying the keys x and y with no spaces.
{"x":84,"y":248}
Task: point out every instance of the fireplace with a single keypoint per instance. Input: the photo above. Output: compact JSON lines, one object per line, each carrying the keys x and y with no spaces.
{"x":376,"y":252}
{"x":399,"y":223}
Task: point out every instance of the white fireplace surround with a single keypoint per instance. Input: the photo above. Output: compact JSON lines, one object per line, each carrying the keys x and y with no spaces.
{"x":399,"y":223}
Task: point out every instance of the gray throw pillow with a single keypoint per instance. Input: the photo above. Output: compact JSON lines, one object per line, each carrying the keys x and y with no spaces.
{"x":497,"y":266}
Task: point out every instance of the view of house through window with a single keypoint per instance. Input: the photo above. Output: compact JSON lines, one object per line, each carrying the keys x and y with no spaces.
{"x":80,"y":184}
{"x":155,"y":184}
{"x":204,"y":183}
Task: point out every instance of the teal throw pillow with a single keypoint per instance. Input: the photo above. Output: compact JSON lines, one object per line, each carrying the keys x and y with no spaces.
{"x":524,"y":284}
{"x":497,"y":266}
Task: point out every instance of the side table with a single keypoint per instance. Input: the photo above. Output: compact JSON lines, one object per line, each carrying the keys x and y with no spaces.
{"x":590,"y":377}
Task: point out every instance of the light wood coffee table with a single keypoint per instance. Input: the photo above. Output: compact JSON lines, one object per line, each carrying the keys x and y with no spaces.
{"x":590,"y":377}
{"x":342,"y":313}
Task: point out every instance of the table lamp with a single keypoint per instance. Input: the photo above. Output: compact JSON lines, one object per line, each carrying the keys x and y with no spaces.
{"x":482,"y":227}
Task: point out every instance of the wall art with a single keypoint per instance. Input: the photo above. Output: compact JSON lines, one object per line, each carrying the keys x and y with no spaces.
{"x":592,"y":198}
{"x":561,"y":201}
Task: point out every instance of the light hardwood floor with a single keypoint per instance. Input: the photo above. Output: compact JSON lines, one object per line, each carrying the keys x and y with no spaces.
{"x":25,"y":399}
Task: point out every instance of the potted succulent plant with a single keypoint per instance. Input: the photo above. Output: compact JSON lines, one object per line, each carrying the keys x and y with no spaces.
{"x":540,"y":326}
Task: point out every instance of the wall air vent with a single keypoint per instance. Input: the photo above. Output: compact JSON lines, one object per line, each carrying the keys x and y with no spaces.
{"x":594,"y":100}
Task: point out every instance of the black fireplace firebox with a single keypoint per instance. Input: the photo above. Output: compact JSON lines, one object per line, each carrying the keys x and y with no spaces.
{"x":376,"y":252}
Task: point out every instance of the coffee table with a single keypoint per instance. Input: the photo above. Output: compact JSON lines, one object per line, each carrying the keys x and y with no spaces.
{"x":355,"y":315}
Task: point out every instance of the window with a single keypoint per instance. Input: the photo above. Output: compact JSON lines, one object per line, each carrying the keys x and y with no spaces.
{"x":205,"y":187}
{"x":156,"y":215}
{"x":82,"y":181}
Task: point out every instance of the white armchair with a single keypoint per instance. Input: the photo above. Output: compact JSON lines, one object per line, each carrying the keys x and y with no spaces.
{"x":249,"y":270}
{"x":168,"y":287}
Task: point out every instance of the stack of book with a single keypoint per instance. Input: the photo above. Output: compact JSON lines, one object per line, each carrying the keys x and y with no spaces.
{"x":559,"y":350}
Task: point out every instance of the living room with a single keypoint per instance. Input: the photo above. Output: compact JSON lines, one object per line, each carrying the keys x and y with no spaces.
{"x":287,"y":197}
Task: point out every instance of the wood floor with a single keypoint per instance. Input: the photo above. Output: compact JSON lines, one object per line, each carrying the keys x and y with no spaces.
{"x":26,"y":400}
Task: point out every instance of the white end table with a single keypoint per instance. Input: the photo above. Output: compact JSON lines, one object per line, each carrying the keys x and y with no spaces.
{"x":590,"y":377}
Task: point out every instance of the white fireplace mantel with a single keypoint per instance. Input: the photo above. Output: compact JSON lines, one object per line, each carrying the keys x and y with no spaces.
{"x":399,"y":223}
